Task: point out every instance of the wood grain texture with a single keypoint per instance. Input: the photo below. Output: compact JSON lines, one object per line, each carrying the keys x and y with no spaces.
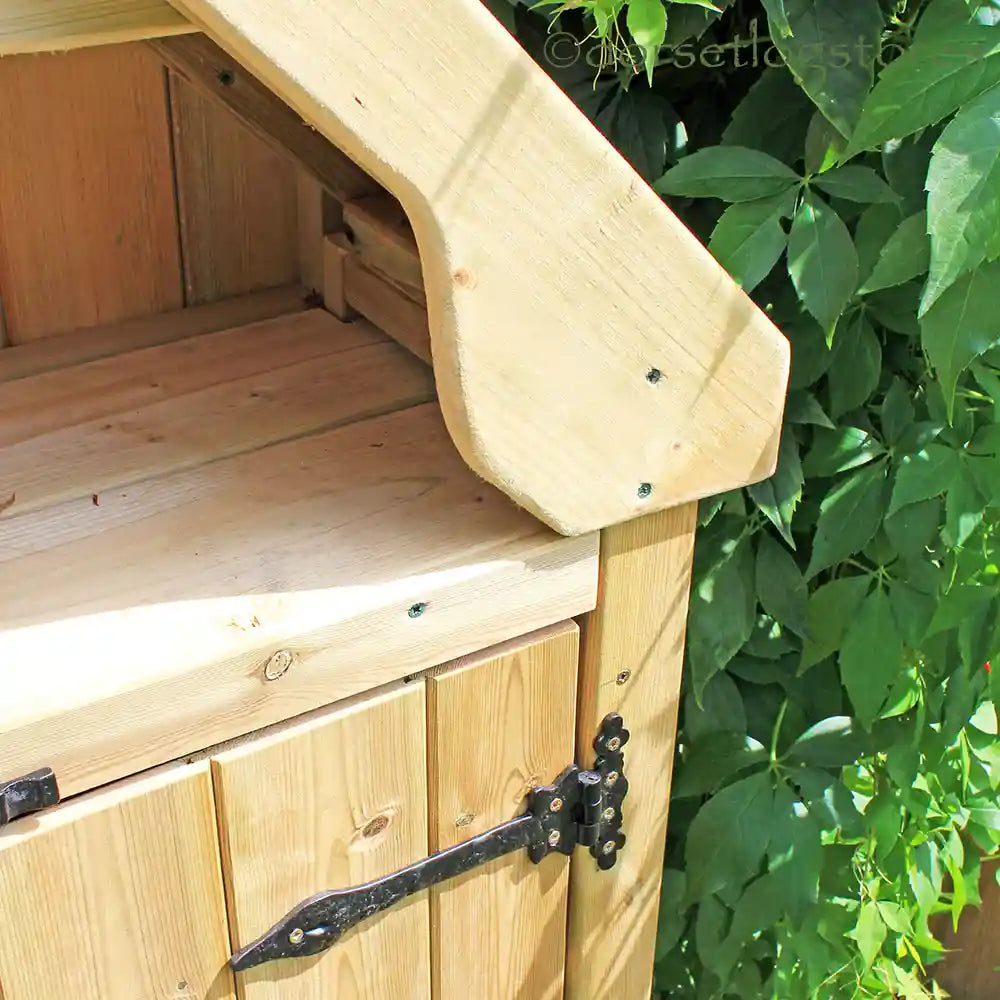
{"x":88,"y":229}
{"x":543,"y":252}
{"x":224,"y":80}
{"x":117,"y":896}
{"x":82,"y":431}
{"x":336,"y":251}
{"x":80,"y":346}
{"x":50,"y":25}
{"x":633,"y":646}
{"x":970,"y":972}
{"x":390,"y":309}
{"x":319,"y":213}
{"x":237,"y":202}
{"x":327,"y":804}
{"x":380,"y":232}
{"x":156,"y":612}
{"x":500,"y":722}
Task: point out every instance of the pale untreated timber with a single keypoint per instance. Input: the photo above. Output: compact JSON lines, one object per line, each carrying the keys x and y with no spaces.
{"x":501,"y":721}
{"x":390,"y":309}
{"x":156,"y":612}
{"x":55,"y":25}
{"x":81,"y":431}
{"x":380,"y":232}
{"x":217,"y":75}
{"x":556,"y":279}
{"x":330,"y":802}
{"x":117,"y":895}
{"x":633,"y":646}
{"x":93,"y":343}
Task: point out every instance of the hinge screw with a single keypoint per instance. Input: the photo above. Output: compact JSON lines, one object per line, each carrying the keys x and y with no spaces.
{"x":609,"y":846}
{"x":608,"y":815}
{"x":554,"y":838}
{"x":555,"y":805}
{"x":614,"y":743}
{"x":297,"y":936}
{"x":610,"y":778}
{"x":416,"y":610}
{"x":624,"y":677}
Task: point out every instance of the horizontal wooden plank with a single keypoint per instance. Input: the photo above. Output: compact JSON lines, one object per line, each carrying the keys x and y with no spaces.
{"x":159,"y":614}
{"x":217,"y":75}
{"x":380,"y":232}
{"x":391,"y":310}
{"x":81,"y":431}
{"x":556,"y":278}
{"x":80,"y":346}
{"x":55,"y":25}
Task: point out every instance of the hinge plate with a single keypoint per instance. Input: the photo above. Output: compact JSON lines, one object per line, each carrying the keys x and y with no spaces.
{"x":30,"y":794}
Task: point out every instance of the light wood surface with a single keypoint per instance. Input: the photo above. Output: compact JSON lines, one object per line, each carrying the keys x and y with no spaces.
{"x":319,"y":213}
{"x":89,"y":229}
{"x":390,"y":309}
{"x":327,"y":804}
{"x":380,"y":232}
{"x":500,"y":722}
{"x":80,"y":346}
{"x":237,"y":202}
{"x":117,"y":896}
{"x":221,"y":78}
{"x":555,"y":277}
{"x":82,"y":431}
{"x":156,"y":612}
{"x":50,"y":25}
{"x":631,"y":663}
{"x":336,"y":251}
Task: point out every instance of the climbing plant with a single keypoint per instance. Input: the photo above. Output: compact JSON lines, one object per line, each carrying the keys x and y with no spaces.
{"x":835,"y":798}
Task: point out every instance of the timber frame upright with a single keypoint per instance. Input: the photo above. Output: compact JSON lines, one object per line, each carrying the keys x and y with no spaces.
{"x":590,"y":359}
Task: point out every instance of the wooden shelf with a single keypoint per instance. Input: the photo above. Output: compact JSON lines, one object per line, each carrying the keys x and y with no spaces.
{"x":180,"y":517}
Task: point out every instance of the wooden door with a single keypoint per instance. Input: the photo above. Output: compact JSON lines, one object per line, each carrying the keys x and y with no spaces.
{"x":117,"y":896}
{"x":358,"y":791}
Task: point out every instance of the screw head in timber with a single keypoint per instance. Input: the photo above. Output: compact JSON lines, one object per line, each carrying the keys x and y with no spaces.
{"x":297,"y":936}
{"x":610,"y":778}
{"x":554,"y":838}
{"x":556,"y":805}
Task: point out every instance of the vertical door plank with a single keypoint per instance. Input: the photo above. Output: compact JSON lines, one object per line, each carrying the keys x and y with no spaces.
{"x":237,"y":198}
{"x":501,"y":722}
{"x":117,"y":896}
{"x":633,"y":646}
{"x":327,"y":803}
{"x":88,"y":229}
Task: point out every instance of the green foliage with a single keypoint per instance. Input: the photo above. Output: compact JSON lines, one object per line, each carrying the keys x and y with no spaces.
{"x":838,"y":760}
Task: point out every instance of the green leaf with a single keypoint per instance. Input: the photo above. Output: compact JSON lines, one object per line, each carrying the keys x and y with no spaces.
{"x":963,"y":323}
{"x":644,"y":127}
{"x":712,"y":759}
{"x":875,"y":226}
{"x":722,"y":615}
{"x":781,"y":588}
{"x":830,"y":743}
{"x":647,"y":22}
{"x":673,"y":917}
{"x":823,"y":145}
{"x":871,"y":657}
{"x":832,"y":608}
{"x":732,"y":173}
{"x":839,"y":450}
{"x":869,"y":932}
{"x":761,"y":905}
{"x":926,"y":474}
{"x":748,"y":239}
{"x":849,"y":516}
{"x":964,"y":508}
{"x":934,"y":77}
{"x":963,"y":195}
{"x":912,"y":528}
{"x":897,"y":410}
{"x":855,"y":366}
{"x":960,"y":603}
{"x":830,"y":46}
{"x":803,"y":408}
{"x":905,"y":255}
{"x":727,"y":839}
{"x":822,"y":261}
{"x":773,"y":116}
{"x":778,"y":496}
{"x":855,"y":184}
{"x":795,"y":854}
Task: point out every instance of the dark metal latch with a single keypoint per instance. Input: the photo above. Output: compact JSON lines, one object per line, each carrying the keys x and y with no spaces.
{"x":30,"y":794}
{"x":582,"y":807}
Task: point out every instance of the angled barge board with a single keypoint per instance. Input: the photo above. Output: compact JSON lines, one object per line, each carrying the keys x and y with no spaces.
{"x":555,"y":278}
{"x":52,"y":25}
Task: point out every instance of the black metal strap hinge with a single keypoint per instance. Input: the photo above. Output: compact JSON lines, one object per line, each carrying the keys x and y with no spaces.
{"x":30,"y":794}
{"x":581,"y":808}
